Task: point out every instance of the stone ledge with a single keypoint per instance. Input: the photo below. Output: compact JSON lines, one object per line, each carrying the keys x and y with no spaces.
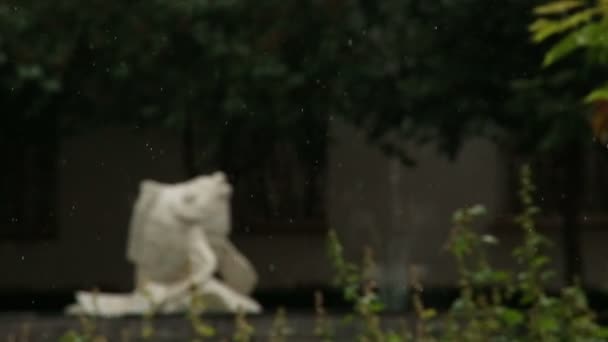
{"x":39,"y":327}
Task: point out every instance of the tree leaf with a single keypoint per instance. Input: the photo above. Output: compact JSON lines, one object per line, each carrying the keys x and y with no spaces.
{"x":428,"y":314}
{"x":544,"y":28}
{"x":582,"y":37}
{"x":511,"y":317}
{"x":558,"y":7}
{"x":597,"y":95}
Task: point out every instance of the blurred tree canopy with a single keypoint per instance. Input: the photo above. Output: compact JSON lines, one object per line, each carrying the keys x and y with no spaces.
{"x":404,"y":70}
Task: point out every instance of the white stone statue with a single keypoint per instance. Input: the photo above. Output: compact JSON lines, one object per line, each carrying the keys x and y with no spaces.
{"x":178,"y":241}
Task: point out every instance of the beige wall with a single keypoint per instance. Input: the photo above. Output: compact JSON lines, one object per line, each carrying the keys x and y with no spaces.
{"x":403,"y":213}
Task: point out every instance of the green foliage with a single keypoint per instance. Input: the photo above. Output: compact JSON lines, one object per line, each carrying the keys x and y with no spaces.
{"x":73,"y":336}
{"x":87,"y":333}
{"x":558,"y":7}
{"x":358,"y":289}
{"x":484,"y":310}
{"x":196,"y":308}
{"x":482,"y":313}
{"x":347,"y":275}
{"x":280,"y":330}
{"x":404,"y":71}
{"x":243,"y":330}
{"x":580,"y":25}
{"x":323,"y":327}
{"x":599,"y":94}
{"x":544,"y":28}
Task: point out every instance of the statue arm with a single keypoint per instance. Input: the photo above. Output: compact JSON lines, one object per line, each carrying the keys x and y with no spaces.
{"x":236,"y":271}
{"x":203,"y":263}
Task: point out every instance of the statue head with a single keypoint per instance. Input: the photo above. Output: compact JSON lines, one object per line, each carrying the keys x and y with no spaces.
{"x":163,"y":211}
{"x":203,"y":201}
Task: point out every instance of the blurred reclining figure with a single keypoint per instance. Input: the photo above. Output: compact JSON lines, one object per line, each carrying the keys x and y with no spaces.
{"x":178,"y":242}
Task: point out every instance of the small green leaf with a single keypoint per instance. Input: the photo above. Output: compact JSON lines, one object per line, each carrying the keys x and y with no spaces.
{"x":545,"y":28}
{"x":548,"y":324}
{"x":376,"y":306}
{"x":393,"y":337}
{"x":428,"y":314}
{"x":511,"y":317}
{"x":558,"y":7}
{"x":597,"y":95}
{"x":500,"y":276}
{"x":72,"y":336}
{"x":204,"y":330}
{"x":540,"y":261}
{"x":588,"y":35}
{"x":603,"y":332}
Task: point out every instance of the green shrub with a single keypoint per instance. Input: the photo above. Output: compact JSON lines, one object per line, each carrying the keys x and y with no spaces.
{"x":493,"y":305}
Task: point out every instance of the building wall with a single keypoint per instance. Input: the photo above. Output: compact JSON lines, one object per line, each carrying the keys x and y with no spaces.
{"x":402,"y":213}
{"x":405,"y":212}
{"x":99,"y":177}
